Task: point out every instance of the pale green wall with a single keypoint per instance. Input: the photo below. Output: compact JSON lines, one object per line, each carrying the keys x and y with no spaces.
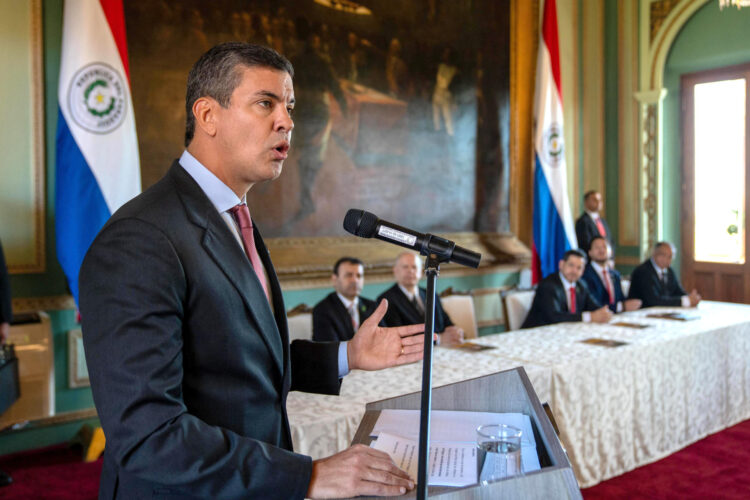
{"x":312,"y":296}
{"x":710,"y":39}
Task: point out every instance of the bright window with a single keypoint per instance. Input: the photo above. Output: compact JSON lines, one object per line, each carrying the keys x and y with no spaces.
{"x":720,"y":171}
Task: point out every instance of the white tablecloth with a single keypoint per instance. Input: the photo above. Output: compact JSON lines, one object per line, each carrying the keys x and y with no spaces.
{"x":617,"y":408}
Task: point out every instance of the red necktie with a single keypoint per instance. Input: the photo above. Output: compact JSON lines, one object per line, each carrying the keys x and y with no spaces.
{"x":600,"y":226}
{"x":572,"y":299}
{"x":608,"y":284}
{"x":352,"y":313}
{"x":242,"y":216}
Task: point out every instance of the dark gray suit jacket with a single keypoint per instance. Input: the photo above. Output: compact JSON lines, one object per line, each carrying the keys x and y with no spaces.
{"x":646,"y":285}
{"x":331,"y":320}
{"x":402,"y":312}
{"x":550,"y":303}
{"x":586,"y":231}
{"x":189,"y":366}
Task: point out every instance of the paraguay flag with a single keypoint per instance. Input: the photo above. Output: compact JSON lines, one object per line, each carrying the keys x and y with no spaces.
{"x":97,"y":151}
{"x":553,"y":221}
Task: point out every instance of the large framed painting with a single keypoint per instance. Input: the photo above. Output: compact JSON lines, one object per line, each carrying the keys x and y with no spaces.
{"x":22,"y":180}
{"x":403,"y":109}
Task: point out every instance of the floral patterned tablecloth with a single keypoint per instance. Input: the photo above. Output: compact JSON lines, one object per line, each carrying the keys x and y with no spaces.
{"x":670,"y":385}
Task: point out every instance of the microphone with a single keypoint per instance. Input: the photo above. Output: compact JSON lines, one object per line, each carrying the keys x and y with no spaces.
{"x":367,"y":225}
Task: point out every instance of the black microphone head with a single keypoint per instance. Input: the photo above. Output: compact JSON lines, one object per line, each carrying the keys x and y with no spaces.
{"x":360,"y":223}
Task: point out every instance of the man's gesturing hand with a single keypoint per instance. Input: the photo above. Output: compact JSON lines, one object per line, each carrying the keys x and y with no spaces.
{"x":359,"y":470}
{"x":374,"y":347}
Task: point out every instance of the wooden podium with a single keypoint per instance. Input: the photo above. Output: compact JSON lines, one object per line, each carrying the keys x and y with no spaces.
{"x":509,"y":391}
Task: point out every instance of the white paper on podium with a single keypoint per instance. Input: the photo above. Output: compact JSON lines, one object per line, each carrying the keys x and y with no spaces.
{"x":458,"y":427}
{"x":451,"y":464}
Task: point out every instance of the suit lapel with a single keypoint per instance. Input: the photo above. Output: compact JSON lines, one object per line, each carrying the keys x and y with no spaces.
{"x":279,"y":311}
{"x":562,"y":293}
{"x":222,"y":247}
{"x":657,"y":277}
{"x":581,"y":292}
{"x":344,"y":314}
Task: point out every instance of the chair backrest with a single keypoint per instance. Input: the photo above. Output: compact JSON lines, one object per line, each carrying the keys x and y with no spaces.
{"x":625,"y":286}
{"x":300,"y":326}
{"x":517,"y":305}
{"x":461,"y":310}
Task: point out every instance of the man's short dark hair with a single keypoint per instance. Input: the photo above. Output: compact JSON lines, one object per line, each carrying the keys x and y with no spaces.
{"x":348,"y":260}
{"x":589,"y":193}
{"x":216,"y":74}
{"x":574,"y":252}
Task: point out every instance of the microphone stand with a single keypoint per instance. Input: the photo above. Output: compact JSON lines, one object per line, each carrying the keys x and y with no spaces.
{"x":432,"y":269}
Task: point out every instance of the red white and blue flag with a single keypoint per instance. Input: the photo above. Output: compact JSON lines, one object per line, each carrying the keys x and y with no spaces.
{"x":97,"y":151}
{"x":553,"y":222}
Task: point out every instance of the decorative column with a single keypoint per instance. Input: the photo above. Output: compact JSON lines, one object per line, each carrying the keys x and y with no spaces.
{"x":650,"y":167}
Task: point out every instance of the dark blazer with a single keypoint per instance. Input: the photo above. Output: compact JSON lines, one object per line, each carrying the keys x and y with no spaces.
{"x":6,"y":314}
{"x":402,"y":312}
{"x":551,"y":303}
{"x":646,"y":285}
{"x":331,"y":320}
{"x":597,"y":289}
{"x":586,"y":231}
{"x":189,"y":366}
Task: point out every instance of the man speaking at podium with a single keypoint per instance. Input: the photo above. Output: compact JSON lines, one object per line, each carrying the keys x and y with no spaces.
{"x":184,"y":323}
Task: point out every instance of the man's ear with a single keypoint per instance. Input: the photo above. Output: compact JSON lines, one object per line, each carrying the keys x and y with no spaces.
{"x":204,"y":111}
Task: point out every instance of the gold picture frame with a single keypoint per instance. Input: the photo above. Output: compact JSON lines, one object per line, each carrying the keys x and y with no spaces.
{"x":78,"y":373}
{"x":22,"y":192}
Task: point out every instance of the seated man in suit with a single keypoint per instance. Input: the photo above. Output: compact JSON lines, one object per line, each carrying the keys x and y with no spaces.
{"x":591,"y":223}
{"x":603,"y":281}
{"x":406,"y":301}
{"x":562,"y":297}
{"x":338,"y":316}
{"x":656,"y":284}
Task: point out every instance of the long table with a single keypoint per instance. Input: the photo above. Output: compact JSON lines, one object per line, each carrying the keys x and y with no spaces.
{"x":672,"y":384}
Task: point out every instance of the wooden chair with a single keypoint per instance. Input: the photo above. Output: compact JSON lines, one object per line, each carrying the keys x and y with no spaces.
{"x":460,"y":308}
{"x":299,"y":320}
{"x":516,"y":306}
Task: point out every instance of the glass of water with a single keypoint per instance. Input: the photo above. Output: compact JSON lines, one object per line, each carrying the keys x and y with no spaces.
{"x":499,"y":452}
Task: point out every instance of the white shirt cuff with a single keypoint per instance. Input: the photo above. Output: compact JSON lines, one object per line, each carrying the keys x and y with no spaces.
{"x":586,"y":317}
{"x":343,"y":360}
{"x":620,"y":307}
{"x":685,"y":301}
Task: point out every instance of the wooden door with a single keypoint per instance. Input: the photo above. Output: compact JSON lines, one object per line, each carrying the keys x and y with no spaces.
{"x":715,"y":169}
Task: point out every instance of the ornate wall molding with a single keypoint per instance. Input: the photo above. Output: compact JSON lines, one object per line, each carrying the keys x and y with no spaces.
{"x":50,"y":303}
{"x":655,"y":49}
{"x":24,"y":196}
{"x":660,"y":10}
{"x":659,"y":25}
{"x":649,"y":179}
{"x":501,"y":252}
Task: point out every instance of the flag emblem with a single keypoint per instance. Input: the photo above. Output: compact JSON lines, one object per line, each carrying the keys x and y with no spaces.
{"x":97,"y":98}
{"x":553,"y":145}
